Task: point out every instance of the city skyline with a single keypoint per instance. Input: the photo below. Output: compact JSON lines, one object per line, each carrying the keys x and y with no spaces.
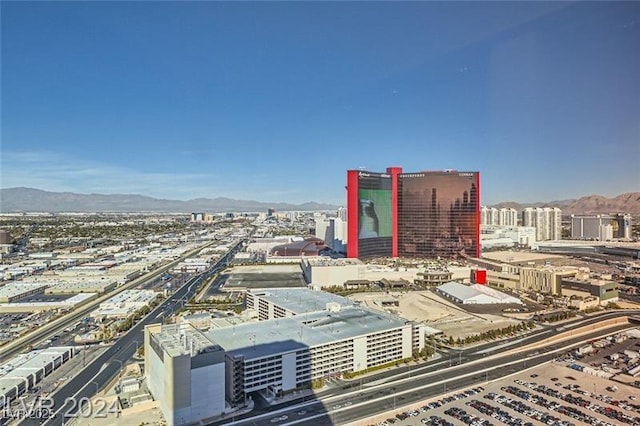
{"x":187,"y":100}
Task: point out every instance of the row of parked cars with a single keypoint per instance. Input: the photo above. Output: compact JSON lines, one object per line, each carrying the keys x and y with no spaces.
{"x":579,"y":401}
{"x":497,"y":413}
{"x":431,"y":405}
{"x":527,"y":410}
{"x":436,"y":421}
{"x":466,"y":418}
{"x":569,"y":411}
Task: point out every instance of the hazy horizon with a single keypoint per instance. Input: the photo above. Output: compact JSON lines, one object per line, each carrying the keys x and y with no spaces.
{"x":310,"y":200}
{"x":274,"y":101}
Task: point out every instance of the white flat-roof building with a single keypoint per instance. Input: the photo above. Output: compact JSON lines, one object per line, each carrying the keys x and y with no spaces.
{"x":17,"y":291}
{"x":124,"y":304}
{"x":192,"y":265}
{"x":305,"y":335}
{"x":286,"y":302}
{"x":84,"y":286}
{"x":506,"y":236}
{"x":70,"y":303}
{"x":327,"y":272}
{"x":333,"y":333}
{"x":23,"y":371}
{"x":286,"y":353}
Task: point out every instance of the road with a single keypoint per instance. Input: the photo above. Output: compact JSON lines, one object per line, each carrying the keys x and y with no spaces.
{"x":105,"y":367}
{"x":57,"y":326}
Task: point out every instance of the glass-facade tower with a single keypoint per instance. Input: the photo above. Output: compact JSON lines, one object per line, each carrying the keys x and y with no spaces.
{"x":427,"y":214}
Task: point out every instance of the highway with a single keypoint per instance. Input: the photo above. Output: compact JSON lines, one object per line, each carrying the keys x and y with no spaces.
{"x":108,"y":365}
{"x":57,"y":326}
{"x":360,"y":399}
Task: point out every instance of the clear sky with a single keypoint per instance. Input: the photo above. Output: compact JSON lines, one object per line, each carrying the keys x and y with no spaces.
{"x":274,"y":101}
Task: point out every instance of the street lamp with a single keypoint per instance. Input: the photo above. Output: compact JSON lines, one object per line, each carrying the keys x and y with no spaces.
{"x":121,"y":367}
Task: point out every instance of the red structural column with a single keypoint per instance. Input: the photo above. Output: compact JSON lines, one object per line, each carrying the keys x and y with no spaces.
{"x":394,"y":172}
{"x":353,"y":204}
{"x":478,"y":248}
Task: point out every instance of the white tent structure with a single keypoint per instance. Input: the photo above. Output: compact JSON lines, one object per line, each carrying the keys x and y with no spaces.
{"x":475,"y":294}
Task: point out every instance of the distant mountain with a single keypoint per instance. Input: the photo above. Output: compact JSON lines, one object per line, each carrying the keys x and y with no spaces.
{"x":591,"y":204}
{"x":35,"y":200}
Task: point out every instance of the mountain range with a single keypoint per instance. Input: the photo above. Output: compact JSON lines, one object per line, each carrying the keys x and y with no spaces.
{"x":628,"y":202}
{"x":36,"y":200}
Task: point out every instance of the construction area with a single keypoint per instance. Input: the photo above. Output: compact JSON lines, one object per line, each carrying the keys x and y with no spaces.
{"x":438,"y":312}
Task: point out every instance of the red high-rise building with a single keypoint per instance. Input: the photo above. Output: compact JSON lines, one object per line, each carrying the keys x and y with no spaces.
{"x":423,"y":214}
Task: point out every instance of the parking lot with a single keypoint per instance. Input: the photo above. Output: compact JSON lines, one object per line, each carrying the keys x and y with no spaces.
{"x":551,"y":394}
{"x":13,"y":325}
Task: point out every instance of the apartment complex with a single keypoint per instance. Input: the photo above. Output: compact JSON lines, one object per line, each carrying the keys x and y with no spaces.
{"x":494,"y":216}
{"x":547,"y":221}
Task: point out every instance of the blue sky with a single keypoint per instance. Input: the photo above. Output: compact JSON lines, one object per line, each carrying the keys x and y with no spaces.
{"x":274,"y":101}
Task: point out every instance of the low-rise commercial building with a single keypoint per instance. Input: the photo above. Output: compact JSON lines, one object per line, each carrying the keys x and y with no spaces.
{"x":327,"y":272}
{"x":605,"y":291}
{"x":16,"y":291}
{"x":192,"y":265}
{"x":22,"y":372}
{"x":492,"y":236}
{"x":77,"y":287}
{"x":547,"y":280}
{"x":67,"y":304}
{"x":124,"y":304}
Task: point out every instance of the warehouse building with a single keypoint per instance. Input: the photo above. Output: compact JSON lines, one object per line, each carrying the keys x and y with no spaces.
{"x":16,"y":291}
{"x":91,"y":285}
{"x":22,"y":372}
{"x":67,"y":304}
{"x":124,"y":304}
